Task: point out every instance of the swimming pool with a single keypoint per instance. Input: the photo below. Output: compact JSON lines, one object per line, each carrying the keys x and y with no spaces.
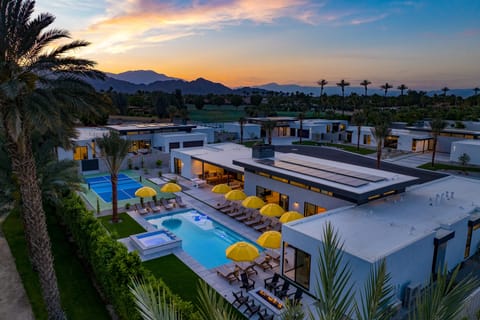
{"x":103,"y":187}
{"x":202,"y":238}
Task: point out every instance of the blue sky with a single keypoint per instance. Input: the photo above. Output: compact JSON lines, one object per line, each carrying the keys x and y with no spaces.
{"x":424,"y":44}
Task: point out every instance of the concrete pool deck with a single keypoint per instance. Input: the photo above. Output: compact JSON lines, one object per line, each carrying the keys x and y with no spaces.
{"x":203,"y":200}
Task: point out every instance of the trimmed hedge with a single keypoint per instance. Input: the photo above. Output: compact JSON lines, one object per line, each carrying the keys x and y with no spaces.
{"x":112,"y":265}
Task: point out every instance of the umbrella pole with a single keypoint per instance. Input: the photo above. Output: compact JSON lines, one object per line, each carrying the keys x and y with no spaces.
{"x":141,"y":201}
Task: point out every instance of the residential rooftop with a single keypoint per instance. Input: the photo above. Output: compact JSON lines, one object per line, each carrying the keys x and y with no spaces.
{"x":376,"y":229}
{"x":88,"y":133}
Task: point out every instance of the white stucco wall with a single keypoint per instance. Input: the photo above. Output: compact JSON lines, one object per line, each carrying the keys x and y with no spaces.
{"x":209,"y":132}
{"x":250,"y":130}
{"x":472,"y":148}
{"x":186,"y":170}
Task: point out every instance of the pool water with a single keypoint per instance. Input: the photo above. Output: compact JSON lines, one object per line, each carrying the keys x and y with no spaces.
{"x":103,"y":187}
{"x":202,"y":238}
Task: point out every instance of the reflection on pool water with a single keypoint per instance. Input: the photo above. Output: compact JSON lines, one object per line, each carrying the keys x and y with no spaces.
{"x":202,"y":238}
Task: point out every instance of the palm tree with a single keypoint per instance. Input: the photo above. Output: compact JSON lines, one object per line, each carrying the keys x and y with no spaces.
{"x":268,"y":126}
{"x":241,"y":121}
{"x":444,"y":298}
{"x":475,"y":90}
{"x":343,"y":84}
{"x":359,"y":119}
{"x":39,"y":83}
{"x":385,"y":87}
{"x":322,"y":83}
{"x":436,"y":125}
{"x":365,"y":83}
{"x":300,"y":118}
{"x":402,"y":88}
{"x":380,"y":131}
{"x":445,"y":90}
{"x":114,"y":150}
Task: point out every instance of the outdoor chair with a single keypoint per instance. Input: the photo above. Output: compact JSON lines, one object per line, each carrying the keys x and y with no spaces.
{"x":275,"y":226}
{"x":262,"y":227}
{"x":263,"y":262}
{"x":236,"y":213}
{"x":282,"y":291}
{"x":297,"y":296}
{"x":222,"y":205}
{"x":229,"y":274}
{"x":252,"y":309}
{"x":165,"y":203}
{"x":240,"y":299}
{"x":273,"y":254}
{"x":179,"y":201}
{"x":153,"y":207}
{"x":141,"y":210}
{"x":263,"y":315}
{"x":232,"y":207}
{"x":247,"y":284}
{"x":257,"y":220}
{"x":248,"y":214}
{"x":271,"y":283}
{"x":248,"y":268}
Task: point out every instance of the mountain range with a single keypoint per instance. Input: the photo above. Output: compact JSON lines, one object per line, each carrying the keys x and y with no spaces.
{"x":148,"y":80}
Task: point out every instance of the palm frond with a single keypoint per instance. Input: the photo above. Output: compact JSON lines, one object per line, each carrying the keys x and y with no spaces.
{"x":212,"y":306}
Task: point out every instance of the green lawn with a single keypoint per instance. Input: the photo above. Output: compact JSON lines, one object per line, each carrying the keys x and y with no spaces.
{"x":80,"y":300}
{"x":439,"y":166}
{"x":123,"y":229}
{"x":345,"y":147}
{"x":176,"y":275}
{"x":211,"y":113}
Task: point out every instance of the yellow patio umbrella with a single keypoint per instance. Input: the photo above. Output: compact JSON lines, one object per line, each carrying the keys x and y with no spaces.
{"x":235,"y":195}
{"x":270,"y":239}
{"x":242,"y":251}
{"x":144,"y":192}
{"x":253,"y":202}
{"x":290,"y":216}
{"x":221,"y":188}
{"x":171,"y":187}
{"x":272,"y":210}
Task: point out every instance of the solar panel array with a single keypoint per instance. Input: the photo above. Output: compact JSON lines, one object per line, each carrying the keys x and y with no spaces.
{"x":324,"y":172}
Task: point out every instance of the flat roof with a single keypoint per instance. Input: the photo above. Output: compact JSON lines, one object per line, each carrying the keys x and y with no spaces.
{"x":359,"y":193}
{"x":374,"y":230}
{"x":220,"y":154}
{"x":89,"y":133}
{"x":473,"y":142}
{"x":148,"y":126}
{"x":363,"y":161}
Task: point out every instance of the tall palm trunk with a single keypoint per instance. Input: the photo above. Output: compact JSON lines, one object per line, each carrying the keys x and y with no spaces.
{"x":114,"y":179}
{"x":379,"y":153}
{"x":34,"y":219}
{"x":434,"y":150}
{"x":359,"y":129}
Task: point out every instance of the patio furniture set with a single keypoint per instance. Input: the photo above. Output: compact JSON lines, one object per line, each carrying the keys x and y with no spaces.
{"x":159,"y":206}
{"x":250,"y":217}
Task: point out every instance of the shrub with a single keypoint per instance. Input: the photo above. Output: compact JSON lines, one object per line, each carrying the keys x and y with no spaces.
{"x":111,"y":263}
{"x":127,"y":205}
{"x":159,"y":163}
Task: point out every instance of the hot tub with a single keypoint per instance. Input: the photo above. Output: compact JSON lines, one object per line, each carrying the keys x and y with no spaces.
{"x":159,"y":242}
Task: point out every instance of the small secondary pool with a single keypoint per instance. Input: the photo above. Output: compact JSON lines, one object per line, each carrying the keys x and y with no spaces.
{"x":103,"y":187}
{"x":156,"y":243}
{"x":202,"y":238}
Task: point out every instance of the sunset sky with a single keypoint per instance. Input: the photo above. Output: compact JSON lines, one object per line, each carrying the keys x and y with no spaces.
{"x":424,"y":44}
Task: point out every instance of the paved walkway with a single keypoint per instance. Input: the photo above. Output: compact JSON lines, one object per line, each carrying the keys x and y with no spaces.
{"x":14,"y":303}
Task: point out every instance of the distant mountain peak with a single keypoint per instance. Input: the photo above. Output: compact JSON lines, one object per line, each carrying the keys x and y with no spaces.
{"x":140,"y":76}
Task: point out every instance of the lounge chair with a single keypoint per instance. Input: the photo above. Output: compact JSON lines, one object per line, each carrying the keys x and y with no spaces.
{"x":272,"y":282}
{"x":247,"y":284}
{"x":263,"y":262}
{"x":230,"y":274}
{"x":273,"y":254}
{"x":141,"y":210}
{"x":248,"y":268}
{"x":237,"y":213}
{"x":230,"y":208}
{"x":222,"y":205}
{"x":153,"y":207}
{"x":296,"y":297}
{"x":248,"y":214}
{"x":165,"y":203}
{"x":240,"y":299}
{"x":263,"y":227}
{"x":179,"y":201}
{"x":257,"y":220}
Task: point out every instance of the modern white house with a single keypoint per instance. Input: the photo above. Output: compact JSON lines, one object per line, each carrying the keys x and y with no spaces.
{"x":320,"y":129}
{"x":417,"y":232}
{"x":250,"y":130}
{"x":399,"y":139}
{"x":469,"y":147}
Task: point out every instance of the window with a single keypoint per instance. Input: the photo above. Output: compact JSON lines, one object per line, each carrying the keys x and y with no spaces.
{"x":280,"y":179}
{"x":391,"y":142}
{"x":298,"y":184}
{"x":189,"y":144}
{"x":297,"y":266}
{"x":174,"y":145}
{"x":310,"y":209}
{"x":367,"y":139}
{"x":80,"y":153}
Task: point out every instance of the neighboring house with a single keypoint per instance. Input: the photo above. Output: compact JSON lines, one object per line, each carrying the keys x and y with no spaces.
{"x":250,"y":130}
{"x":469,"y":147}
{"x":320,"y":130}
